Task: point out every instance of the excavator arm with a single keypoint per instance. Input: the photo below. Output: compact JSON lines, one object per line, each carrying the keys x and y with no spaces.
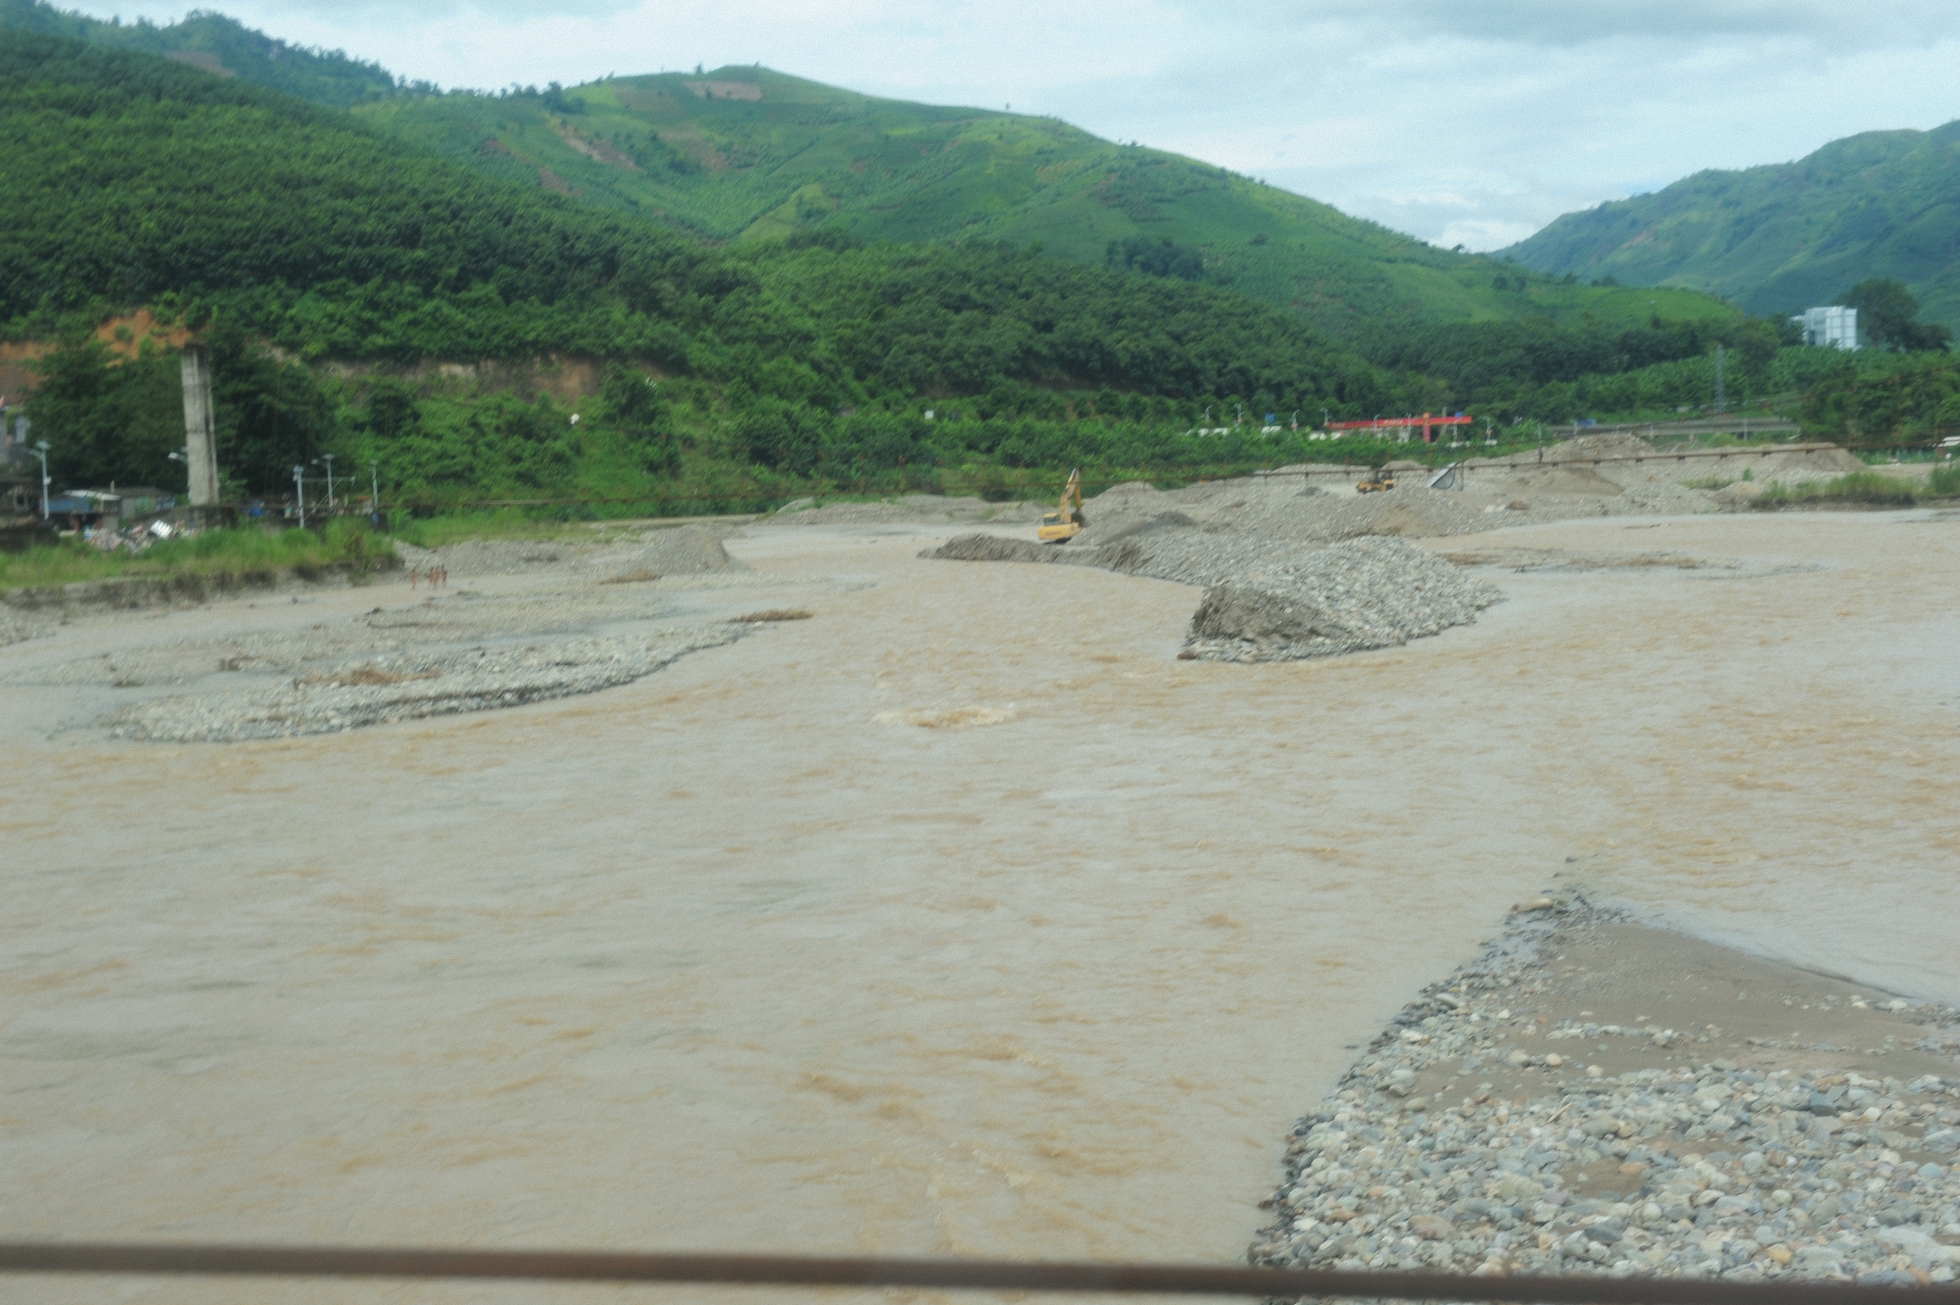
{"x":1066,"y":523}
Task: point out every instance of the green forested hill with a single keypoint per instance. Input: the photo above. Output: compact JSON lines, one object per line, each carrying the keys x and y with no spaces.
{"x":136,"y":181}
{"x":1785,"y":237}
{"x":355,"y":286}
{"x":746,"y":153}
{"x":220,"y":46}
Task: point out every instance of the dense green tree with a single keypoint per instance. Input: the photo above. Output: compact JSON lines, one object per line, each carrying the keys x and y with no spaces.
{"x":1160,"y":257}
{"x":1888,"y":315}
{"x":108,"y":420}
{"x":631,"y":403}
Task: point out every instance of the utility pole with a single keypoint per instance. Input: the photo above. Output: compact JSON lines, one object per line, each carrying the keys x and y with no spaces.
{"x":374,"y":500}
{"x":41,"y":452}
{"x":327,"y":458}
{"x":299,"y":480}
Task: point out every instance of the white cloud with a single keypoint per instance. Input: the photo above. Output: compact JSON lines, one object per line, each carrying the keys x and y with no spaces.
{"x":1470,"y":124}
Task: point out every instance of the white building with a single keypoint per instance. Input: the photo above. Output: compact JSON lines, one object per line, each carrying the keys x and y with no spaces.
{"x":1832,"y":328}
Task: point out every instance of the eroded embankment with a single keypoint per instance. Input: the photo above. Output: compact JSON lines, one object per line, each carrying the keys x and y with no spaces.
{"x":1595,"y":1095}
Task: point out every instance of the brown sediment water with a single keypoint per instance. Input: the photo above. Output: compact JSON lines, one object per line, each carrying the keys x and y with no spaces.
{"x":959,"y":918}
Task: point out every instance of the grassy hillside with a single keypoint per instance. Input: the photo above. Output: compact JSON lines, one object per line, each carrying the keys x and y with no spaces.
{"x":1785,"y":237}
{"x":744,"y":153}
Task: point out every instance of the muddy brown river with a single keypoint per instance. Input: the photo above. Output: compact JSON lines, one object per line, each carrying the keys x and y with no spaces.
{"x":961,"y":918}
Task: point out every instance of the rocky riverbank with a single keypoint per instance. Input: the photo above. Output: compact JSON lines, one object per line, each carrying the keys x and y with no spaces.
{"x":1594,"y":1095}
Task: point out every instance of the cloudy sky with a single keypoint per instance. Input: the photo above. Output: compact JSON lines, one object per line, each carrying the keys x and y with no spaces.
{"x":1471,"y":123}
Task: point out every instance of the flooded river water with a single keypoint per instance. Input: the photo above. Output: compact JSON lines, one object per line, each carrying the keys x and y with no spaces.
{"x":962,"y":918}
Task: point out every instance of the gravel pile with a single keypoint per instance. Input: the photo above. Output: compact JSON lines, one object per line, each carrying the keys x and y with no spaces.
{"x":1271,"y":600}
{"x":687,"y":550}
{"x":1361,"y":594}
{"x":1698,"y":1170}
{"x":1128,"y":509}
{"x":1277,"y":507}
{"x":929,"y":508}
{"x":411,"y":685}
{"x":994,"y":548}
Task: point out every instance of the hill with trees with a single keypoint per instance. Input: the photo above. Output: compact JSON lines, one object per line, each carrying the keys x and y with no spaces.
{"x":263,"y":221}
{"x":484,"y":338}
{"x":746,"y":153}
{"x":222,"y":47}
{"x":1785,"y":237}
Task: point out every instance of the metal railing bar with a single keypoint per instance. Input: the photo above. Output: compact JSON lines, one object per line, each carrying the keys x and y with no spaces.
{"x":965,"y":1274}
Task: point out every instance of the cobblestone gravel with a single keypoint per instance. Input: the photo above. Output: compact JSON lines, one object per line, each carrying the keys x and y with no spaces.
{"x":1699,"y":1170}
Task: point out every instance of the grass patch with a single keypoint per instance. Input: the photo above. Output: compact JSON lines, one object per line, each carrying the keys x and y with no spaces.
{"x":779,"y":614}
{"x":1866,"y":488}
{"x":503,"y":523}
{"x":243,"y":552}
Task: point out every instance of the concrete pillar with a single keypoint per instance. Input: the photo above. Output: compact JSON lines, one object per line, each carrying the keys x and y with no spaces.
{"x":200,"y":432}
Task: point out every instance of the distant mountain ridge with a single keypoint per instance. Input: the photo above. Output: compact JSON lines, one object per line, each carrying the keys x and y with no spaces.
{"x":1787,"y":236}
{"x":744,"y":153}
{"x":219,"y":45}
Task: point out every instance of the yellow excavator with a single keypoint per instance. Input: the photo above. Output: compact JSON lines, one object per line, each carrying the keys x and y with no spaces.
{"x":1378,"y":480}
{"x":1060,"y":527}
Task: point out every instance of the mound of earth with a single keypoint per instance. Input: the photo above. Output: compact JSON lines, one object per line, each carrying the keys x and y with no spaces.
{"x":1562,"y":479}
{"x":928,"y":508}
{"x":1587,"y":447}
{"x":992,"y":548}
{"x":687,"y":550}
{"x":1356,"y":595}
{"x":1126,"y":509}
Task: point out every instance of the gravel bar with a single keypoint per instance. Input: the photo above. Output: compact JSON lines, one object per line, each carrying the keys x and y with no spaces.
{"x":380,"y":690}
{"x":1709,"y":1169}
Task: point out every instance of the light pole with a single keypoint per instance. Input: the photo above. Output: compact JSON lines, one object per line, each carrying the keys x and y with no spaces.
{"x":327,"y":458}
{"x":299,"y":480}
{"x":41,"y":452}
{"x":183,"y":455}
{"x":374,"y":470}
